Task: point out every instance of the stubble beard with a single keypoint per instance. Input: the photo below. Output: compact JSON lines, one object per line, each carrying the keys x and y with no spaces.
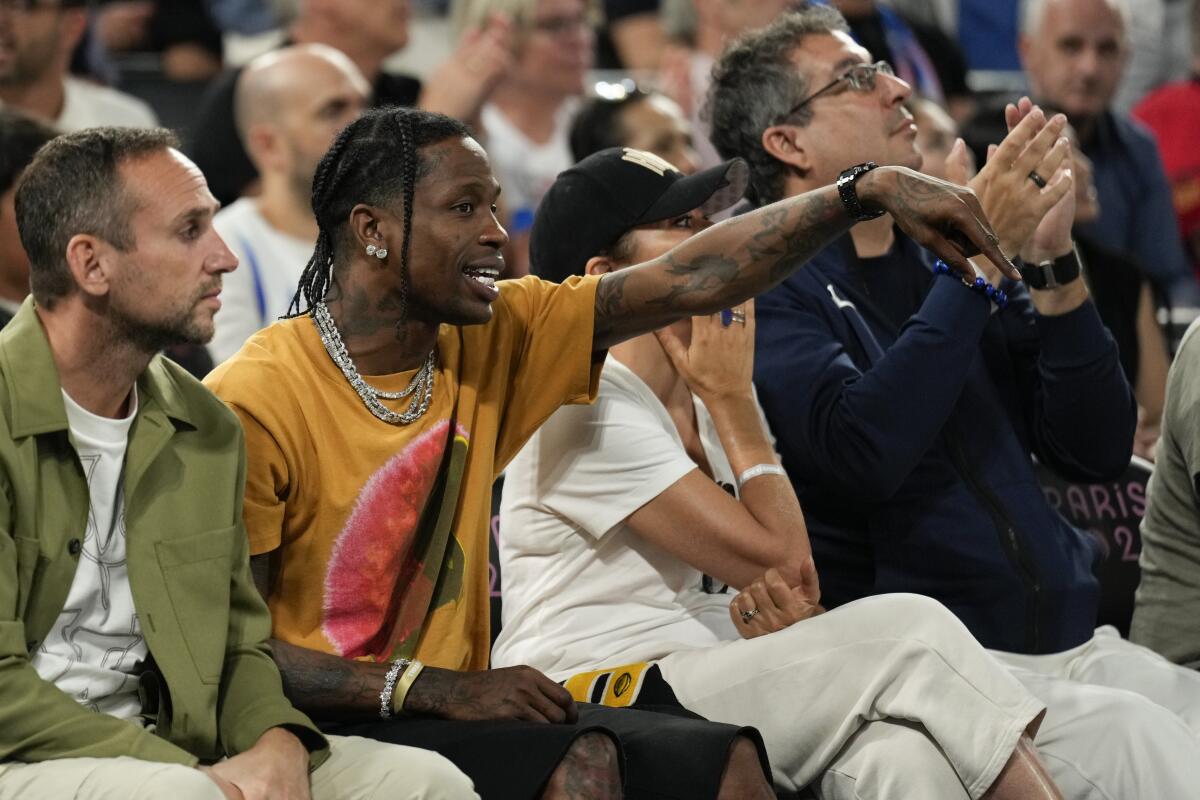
{"x":151,"y":336}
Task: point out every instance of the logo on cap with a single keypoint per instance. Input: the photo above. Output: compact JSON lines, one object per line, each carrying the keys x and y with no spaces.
{"x":648,"y":160}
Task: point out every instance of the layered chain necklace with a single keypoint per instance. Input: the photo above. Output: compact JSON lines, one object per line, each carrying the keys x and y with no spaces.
{"x":420,"y":388}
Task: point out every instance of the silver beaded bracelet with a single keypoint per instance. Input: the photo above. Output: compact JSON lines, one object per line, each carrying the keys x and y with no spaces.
{"x":759,"y":469}
{"x":389,"y":686}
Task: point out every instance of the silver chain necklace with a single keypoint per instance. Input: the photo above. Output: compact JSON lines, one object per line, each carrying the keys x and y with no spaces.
{"x":420,"y":387}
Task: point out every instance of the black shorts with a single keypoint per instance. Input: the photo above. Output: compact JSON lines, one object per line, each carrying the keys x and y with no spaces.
{"x":668,"y":753}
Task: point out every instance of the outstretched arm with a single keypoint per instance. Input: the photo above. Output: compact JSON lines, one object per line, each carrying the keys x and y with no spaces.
{"x":745,"y":256}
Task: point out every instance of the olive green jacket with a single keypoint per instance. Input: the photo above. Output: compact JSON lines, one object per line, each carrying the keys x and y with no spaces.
{"x":211,"y":688}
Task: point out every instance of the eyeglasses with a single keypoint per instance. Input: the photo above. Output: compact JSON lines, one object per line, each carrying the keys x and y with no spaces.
{"x":561,"y":26}
{"x":860,"y":78}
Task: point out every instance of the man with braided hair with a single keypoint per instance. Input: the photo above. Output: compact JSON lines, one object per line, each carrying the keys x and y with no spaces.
{"x":369,"y":536}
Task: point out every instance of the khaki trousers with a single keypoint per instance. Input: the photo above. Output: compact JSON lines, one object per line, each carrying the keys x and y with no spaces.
{"x":357,"y":769}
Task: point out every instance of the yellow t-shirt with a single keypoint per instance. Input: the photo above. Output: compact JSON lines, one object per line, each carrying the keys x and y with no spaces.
{"x":379,"y":532}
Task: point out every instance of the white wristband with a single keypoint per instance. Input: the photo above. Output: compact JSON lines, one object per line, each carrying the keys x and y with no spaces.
{"x":759,"y":469}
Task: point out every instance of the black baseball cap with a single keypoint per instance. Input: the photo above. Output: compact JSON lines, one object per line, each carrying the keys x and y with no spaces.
{"x":592,"y":204}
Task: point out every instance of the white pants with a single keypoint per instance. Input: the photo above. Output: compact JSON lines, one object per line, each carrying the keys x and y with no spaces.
{"x":1122,"y":722}
{"x":887,"y":697}
{"x":357,"y":769}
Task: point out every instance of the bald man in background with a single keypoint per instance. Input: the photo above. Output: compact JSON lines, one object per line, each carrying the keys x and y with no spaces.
{"x":289,"y":105}
{"x":1075,"y":52}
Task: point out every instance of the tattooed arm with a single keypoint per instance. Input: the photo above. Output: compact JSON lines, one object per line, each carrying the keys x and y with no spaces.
{"x":329,"y":687}
{"x":747,"y":255}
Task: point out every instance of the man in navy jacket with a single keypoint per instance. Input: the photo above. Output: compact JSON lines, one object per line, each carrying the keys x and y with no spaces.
{"x":907,"y":405}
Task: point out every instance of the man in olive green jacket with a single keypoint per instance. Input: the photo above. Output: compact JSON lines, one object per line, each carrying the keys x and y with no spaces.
{"x":132,"y":638}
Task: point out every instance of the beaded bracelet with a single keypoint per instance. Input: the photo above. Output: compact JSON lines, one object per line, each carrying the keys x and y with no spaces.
{"x":997,"y":296}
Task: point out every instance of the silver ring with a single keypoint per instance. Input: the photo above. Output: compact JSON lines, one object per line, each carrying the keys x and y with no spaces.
{"x":1037,"y":179}
{"x":748,"y":615}
{"x":737,"y":315}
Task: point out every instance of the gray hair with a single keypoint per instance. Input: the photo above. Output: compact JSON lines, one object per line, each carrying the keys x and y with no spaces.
{"x":73,"y":186}
{"x":754,"y":83}
{"x":1034,"y":11}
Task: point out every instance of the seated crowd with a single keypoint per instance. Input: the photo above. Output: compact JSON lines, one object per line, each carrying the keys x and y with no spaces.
{"x":771,"y":522}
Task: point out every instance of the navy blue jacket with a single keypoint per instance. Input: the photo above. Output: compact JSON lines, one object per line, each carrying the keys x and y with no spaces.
{"x":911,"y":449}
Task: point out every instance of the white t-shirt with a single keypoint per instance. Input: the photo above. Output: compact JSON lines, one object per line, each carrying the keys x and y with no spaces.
{"x":526,"y":168}
{"x":89,"y":105}
{"x":95,"y":649}
{"x":260,"y":290}
{"x":581,"y":590}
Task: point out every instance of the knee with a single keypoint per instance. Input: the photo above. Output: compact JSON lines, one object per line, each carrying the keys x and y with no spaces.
{"x":744,"y":776}
{"x":426,"y":775}
{"x":892,"y":758}
{"x":590,"y":769}
{"x":436,"y":778}
{"x":1122,"y":721}
{"x":916,"y":616}
{"x":179,"y":783}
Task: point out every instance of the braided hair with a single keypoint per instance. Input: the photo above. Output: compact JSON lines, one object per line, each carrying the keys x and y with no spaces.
{"x":375,"y":160}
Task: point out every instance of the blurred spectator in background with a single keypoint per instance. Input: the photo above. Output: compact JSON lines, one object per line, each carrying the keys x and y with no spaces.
{"x":1125,"y":300}
{"x":37,"y":38}
{"x":1159,"y":49}
{"x":922,"y":55}
{"x":1074,"y":52}
{"x":632,"y":37}
{"x":182,"y":32}
{"x":367,"y":32}
{"x":289,"y":106}
{"x":20,"y":138}
{"x":703,"y":28}
{"x":1173,"y":114}
{"x":632,"y":118}
{"x":245,"y":17}
{"x":936,"y":135}
{"x":985,"y":30}
{"x":526,"y":120}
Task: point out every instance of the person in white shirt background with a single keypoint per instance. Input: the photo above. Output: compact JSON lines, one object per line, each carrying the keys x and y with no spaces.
{"x":289,"y":105}
{"x":37,"y":38}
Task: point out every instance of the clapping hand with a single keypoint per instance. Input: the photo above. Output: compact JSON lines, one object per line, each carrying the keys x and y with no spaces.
{"x":1025,"y":187}
{"x":944,"y":218}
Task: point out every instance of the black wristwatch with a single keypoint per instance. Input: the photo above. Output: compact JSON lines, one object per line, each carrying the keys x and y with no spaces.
{"x":845,"y":186}
{"x":1051,"y":274}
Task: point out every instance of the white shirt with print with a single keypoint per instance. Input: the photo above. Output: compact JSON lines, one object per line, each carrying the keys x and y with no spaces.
{"x":95,"y":649}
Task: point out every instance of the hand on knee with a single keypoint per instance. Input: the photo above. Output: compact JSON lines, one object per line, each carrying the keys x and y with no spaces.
{"x":590,"y":770}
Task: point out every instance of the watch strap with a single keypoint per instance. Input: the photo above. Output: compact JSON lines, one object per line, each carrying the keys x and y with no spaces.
{"x":1052,"y":274}
{"x":846,"y":190}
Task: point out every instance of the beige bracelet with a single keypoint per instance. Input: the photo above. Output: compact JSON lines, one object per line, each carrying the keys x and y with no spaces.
{"x":404,"y":684}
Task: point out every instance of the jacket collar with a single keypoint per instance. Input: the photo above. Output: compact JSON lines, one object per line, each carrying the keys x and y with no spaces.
{"x":34,"y":391}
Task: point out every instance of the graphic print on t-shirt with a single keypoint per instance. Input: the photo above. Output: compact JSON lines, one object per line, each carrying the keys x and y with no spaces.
{"x":395,"y":560}
{"x":88,"y":652}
